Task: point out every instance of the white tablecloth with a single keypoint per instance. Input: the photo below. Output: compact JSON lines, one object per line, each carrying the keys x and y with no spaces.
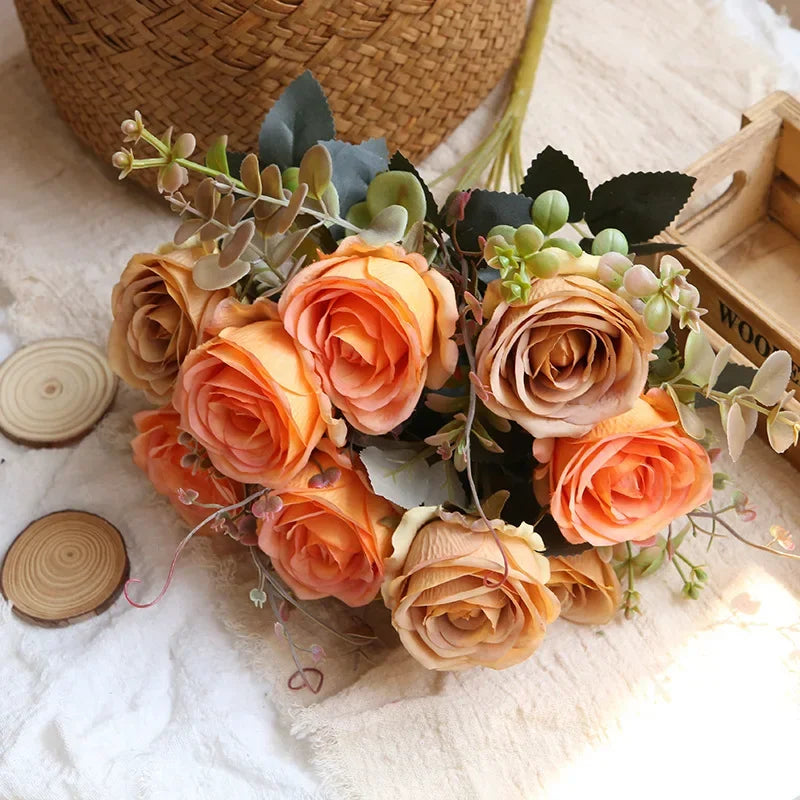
{"x":181,"y":700}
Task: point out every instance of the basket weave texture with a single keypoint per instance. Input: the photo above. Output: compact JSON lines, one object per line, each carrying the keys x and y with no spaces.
{"x":410,"y":70}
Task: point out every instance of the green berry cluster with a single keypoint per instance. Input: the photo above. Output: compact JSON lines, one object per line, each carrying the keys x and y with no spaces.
{"x":528,"y":252}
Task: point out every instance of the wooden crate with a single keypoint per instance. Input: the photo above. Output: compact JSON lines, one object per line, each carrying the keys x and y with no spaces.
{"x":741,"y":233}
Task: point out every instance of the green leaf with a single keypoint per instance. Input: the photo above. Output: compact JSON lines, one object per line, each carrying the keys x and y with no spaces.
{"x":234,"y":160}
{"x":299,"y":119}
{"x":552,"y":169}
{"x":648,"y":248}
{"x":640,"y":204}
{"x":354,"y":167}
{"x":399,"y":163}
{"x":698,"y":359}
{"x":486,"y":209}
{"x":667,"y":364}
{"x":397,"y":188}
{"x":407,"y":480}
{"x":387,"y":226}
{"x":316,"y":168}
{"x":216,"y":157}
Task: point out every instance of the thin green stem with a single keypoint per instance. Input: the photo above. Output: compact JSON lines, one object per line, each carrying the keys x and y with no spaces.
{"x":502,"y":144}
{"x":155,"y":142}
{"x":678,"y":568}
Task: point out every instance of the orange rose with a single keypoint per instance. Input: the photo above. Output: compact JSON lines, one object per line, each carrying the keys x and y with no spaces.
{"x":253,"y":402}
{"x":574,"y":355}
{"x":586,"y":586}
{"x":377,"y":322}
{"x":159,"y":315}
{"x":158,"y":454}
{"x":329,"y":539}
{"x":447,"y":617}
{"x":627,"y":478}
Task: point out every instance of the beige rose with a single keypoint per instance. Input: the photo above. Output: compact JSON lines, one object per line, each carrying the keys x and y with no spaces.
{"x":441,"y":587}
{"x":573,"y":355}
{"x":586,"y":586}
{"x":159,"y":315}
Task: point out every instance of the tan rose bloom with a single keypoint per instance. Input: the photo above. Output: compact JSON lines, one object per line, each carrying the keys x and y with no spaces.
{"x":574,"y":355}
{"x":586,"y":586}
{"x":159,"y":315}
{"x":447,"y":617}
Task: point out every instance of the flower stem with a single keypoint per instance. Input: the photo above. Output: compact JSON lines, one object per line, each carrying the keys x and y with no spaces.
{"x":501,"y":147}
{"x":737,"y":535}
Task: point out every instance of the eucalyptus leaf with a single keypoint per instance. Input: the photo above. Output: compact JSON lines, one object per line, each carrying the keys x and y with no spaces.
{"x":780,"y":431}
{"x":208,"y":274}
{"x":387,"y":226}
{"x":720,"y":362}
{"x":407,"y":480}
{"x":397,"y":188}
{"x":316,"y":170}
{"x":735,"y":430}
{"x":398,"y":162}
{"x":698,"y":358}
{"x":689,"y":418}
{"x":769,"y":383}
{"x":217,"y":157}
{"x":298,"y":120}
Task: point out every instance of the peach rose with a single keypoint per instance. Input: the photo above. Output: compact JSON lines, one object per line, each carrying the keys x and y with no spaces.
{"x":586,"y":586}
{"x":331,"y":537}
{"x":254,"y":403}
{"x":447,"y":616}
{"x":158,"y":454}
{"x":159,"y":316}
{"x":574,"y":355}
{"x":627,"y":478}
{"x":377,"y":322}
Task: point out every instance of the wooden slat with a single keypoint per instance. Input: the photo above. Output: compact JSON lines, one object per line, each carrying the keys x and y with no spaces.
{"x":748,"y":158}
{"x":784,"y":205}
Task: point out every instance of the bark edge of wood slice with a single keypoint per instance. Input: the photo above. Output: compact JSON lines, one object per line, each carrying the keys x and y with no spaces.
{"x":53,"y":392}
{"x":63,"y":568}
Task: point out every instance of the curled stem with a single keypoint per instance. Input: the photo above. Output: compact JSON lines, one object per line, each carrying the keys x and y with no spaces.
{"x":183,"y":543}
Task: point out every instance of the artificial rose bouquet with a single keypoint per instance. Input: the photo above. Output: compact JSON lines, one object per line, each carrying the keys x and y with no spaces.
{"x":462,"y":410}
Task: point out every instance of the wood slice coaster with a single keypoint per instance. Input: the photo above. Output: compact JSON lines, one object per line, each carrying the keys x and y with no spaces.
{"x":64,"y":568}
{"x":53,"y":392}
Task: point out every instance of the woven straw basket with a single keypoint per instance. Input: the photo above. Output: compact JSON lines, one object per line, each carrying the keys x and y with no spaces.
{"x":409,"y":70}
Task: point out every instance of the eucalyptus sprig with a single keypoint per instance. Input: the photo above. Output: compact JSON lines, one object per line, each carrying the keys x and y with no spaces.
{"x":741,"y":406}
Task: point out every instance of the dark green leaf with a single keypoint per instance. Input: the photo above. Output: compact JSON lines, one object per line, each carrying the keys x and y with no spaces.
{"x":640,"y":204}
{"x":399,"y":163}
{"x":299,"y":119}
{"x":235,"y":163}
{"x":552,"y":169}
{"x":485,"y":210}
{"x":647,"y":248}
{"x":667,"y":364}
{"x":354,"y":166}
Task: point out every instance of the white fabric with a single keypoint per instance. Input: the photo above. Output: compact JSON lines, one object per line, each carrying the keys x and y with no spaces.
{"x":181,"y":700}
